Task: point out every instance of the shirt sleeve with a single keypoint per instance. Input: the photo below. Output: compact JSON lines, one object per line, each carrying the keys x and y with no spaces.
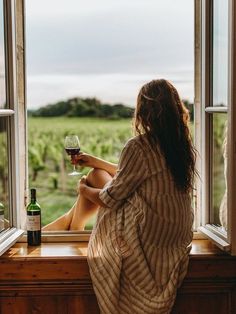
{"x":132,"y":171}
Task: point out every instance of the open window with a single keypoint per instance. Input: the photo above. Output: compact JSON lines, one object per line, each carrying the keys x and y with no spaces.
{"x":11,"y":130}
{"x":215,"y":116}
{"x":215,"y":121}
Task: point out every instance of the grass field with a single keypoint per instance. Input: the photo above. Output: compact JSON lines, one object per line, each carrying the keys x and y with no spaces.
{"x":49,"y":165}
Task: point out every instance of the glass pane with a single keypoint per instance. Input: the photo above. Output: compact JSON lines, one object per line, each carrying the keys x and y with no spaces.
{"x":220,"y":52}
{"x":2,"y":60}
{"x":219,"y":186}
{"x":4,"y":175}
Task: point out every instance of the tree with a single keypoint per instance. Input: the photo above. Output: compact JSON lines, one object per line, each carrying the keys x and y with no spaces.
{"x":83,"y":107}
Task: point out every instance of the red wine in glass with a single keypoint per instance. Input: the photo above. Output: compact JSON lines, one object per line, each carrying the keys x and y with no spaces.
{"x":72,"y":151}
{"x":72,"y":147}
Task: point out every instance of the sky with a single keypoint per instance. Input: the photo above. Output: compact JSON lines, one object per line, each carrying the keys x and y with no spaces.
{"x":107,"y":49}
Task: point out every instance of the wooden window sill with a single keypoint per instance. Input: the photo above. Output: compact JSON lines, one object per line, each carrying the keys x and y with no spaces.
{"x":68,"y":261}
{"x":78,"y":250}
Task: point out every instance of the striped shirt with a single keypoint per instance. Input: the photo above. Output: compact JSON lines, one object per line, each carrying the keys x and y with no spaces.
{"x":139,"y":247}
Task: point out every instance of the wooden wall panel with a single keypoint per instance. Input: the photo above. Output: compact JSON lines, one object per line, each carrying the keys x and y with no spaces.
{"x":49,"y":305}
{"x":44,"y":283}
{"x":202,"y":302}
{"x":34,"y":305}
{"x":83,"y":305}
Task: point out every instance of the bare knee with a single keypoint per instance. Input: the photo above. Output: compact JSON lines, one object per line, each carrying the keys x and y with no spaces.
{"x":98,"y":178}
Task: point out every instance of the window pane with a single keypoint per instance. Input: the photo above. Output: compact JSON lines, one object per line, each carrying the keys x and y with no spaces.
{"x":2,"y":60}
{"x":219,"y":188}
{"x":220,"y":52}
{"x":4,"y":175}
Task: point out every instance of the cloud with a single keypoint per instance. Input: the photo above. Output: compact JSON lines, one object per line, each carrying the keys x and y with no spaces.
{"x":112,"y":36}
{"x":83,"y":48}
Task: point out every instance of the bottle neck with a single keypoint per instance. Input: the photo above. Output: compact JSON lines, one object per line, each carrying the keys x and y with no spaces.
{"x":33,"y":196}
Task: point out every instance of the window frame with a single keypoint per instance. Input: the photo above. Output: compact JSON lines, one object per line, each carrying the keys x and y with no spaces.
{"x":232,"y":133}
{"x":9,"y":236}
{"x":204,"y":112}
{"x":15,"y":60}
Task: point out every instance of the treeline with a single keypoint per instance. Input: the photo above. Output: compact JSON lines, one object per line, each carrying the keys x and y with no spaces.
{"x":83,"y":107}
{"x":89,"y":107}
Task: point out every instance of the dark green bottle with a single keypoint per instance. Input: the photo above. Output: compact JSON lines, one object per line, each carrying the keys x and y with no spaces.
{"x":33,"y":220}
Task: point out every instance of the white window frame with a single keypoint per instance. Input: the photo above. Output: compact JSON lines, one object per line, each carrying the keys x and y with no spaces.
{"x":12,"y":234}
{"x":226,"y":241}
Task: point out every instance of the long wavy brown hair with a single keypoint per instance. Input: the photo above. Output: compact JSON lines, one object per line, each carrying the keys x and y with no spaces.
{"x":162,"y":116}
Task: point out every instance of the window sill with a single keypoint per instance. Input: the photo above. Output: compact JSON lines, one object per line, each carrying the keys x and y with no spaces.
{"x":67,"y":262}
{"x":78,"y":250}
{"x":80,"y":236}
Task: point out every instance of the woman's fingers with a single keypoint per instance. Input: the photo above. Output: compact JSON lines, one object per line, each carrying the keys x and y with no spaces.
{"x":81,"y":158}
{"x":85,"y":160}
{"x":81,"y":155}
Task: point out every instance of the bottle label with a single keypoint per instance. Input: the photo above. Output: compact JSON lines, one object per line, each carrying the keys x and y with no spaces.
{"x":33,"y":223}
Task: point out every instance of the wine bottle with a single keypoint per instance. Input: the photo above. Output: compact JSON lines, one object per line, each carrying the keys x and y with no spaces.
{"x":33,"y":220}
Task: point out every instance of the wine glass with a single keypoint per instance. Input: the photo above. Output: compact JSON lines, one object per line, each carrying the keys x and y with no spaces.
{"x":72,"y":147}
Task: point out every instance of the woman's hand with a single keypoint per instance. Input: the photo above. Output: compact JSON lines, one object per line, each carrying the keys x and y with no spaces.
{"x":82,"y":185}
{"x":85,"y":160}
{"x":89,"y":192}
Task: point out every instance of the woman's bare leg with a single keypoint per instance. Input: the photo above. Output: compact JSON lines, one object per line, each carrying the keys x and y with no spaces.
{"x":61,"y":223}
{"x":83,"y":209}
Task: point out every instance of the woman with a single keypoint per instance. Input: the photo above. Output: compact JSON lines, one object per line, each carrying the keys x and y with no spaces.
{"x":138,"y":250}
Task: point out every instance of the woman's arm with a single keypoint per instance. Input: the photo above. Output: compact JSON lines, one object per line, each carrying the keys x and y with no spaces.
{"x":131,"y":173}
{"x":133,"y":170}
{"x":110,"y":167}
{"x":87,"y":160}
{"x":90,"y":193}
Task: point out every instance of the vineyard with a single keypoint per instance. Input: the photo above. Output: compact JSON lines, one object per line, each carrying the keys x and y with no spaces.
{"x":49,"y":165}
